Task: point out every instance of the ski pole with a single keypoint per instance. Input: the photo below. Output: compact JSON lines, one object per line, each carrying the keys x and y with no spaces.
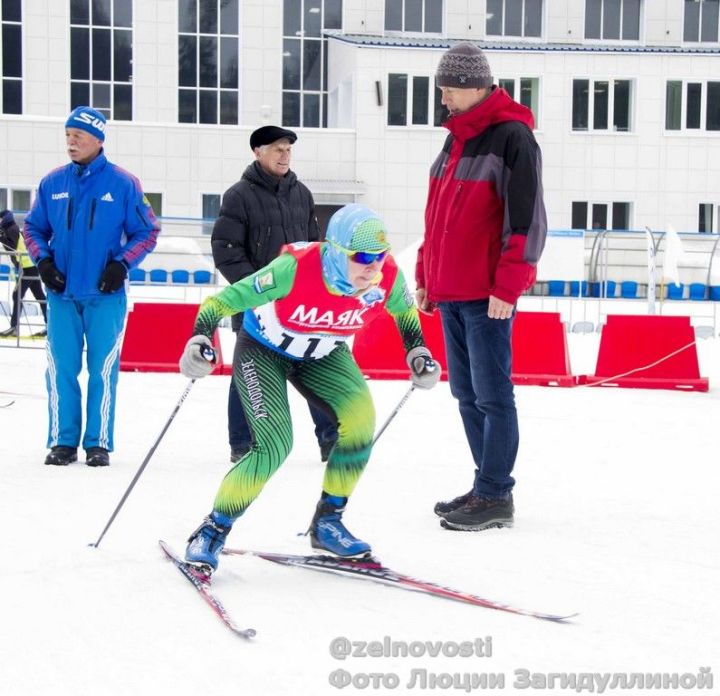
{"x":145,"y":463}
{"x":394,"y":413}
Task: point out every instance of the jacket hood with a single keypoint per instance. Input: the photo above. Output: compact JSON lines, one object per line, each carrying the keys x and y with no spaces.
{"x":255,"y":174}
{"x":498,"y":107}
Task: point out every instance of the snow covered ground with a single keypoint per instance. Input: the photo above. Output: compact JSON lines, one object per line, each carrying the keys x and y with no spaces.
{"x":617,"y":519}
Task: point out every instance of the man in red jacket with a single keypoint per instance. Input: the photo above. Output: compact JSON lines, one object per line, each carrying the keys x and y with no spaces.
{"x":485,"y":227}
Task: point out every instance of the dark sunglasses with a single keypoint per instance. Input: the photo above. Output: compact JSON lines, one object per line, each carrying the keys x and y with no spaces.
{"x":365,"y":258}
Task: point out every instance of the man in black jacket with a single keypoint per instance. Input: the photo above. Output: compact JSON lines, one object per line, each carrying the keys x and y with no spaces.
{"x":28,"y":276}
{"x":266,"y":209}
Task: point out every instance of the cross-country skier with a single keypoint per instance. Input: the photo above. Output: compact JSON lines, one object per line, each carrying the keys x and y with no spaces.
{"x":304,"y":306}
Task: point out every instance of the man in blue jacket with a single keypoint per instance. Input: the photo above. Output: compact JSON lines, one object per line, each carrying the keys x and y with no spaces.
{"x":89,"y":225}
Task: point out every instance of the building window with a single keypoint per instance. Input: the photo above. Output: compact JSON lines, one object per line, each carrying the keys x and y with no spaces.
{"x":101,"y":47}
{"x":155,"y":200}
{"x":20,"y":199}
{"x":11,"y":57}
{"x":602,"y":105}
{"x":210,"y":205}
{"x":614,"y":20}
{"x":598,"y":216}
{"x":701,"y":21}
{"x":409,"y":101}
{"x":525,"y":90}
{"x":514,"y":18}
{"x":692,"y":106}
{"x":441,"y":114}
{"x":305,"y":60}
{"x":705,"y":218}
{"x":208,"y":67}
{"x":15,"y":199}
{"x":419,"y":16}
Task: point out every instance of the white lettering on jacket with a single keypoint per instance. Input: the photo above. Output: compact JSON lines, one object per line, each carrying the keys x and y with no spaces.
{"x":309,"y":317}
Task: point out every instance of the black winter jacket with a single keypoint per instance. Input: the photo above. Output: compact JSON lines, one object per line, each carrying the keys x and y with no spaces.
{"x":258,"y":215}
{"x":9,"y":238}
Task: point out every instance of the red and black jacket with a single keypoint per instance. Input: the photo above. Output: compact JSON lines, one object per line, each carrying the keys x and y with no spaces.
{"x":485,"y":221}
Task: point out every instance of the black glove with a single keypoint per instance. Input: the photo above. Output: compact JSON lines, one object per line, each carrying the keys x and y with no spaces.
{"x":113,"y":277}
{"x":50,"y":275}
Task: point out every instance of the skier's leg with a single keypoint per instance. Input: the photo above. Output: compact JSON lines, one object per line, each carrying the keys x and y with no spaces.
{"x":335,"y":384}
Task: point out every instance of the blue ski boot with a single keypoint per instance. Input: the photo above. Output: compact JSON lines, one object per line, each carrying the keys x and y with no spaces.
{"x":327,"y":532}
{"x":207,"y":541}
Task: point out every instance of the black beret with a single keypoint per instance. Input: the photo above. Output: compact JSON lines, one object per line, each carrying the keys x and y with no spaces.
{"x":269,"y":134}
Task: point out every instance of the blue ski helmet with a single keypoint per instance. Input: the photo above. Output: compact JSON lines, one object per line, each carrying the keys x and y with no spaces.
{"x":352,"y":228}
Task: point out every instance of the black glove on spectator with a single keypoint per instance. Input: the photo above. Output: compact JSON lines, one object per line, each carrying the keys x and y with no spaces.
{"x":113,"y":277}
{"x":50,"y":275}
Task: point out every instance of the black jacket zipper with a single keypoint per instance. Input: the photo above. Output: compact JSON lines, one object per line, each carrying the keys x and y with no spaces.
{"x":92,"y":212}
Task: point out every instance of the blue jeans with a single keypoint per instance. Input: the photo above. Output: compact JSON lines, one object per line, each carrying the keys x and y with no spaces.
{"x":239,"y":434}
{"x":479,"y":357}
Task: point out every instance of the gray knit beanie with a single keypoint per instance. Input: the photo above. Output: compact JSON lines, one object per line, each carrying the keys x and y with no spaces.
{"x":464,"y":66}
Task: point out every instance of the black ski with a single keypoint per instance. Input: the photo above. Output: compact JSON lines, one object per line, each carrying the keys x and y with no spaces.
{"x":9,"y":403}
{"x":370,"y":568}
{"x":201,"y":583}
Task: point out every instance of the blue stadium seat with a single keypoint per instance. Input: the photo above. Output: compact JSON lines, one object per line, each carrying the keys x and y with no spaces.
{"x":201,"y":276}
{"x":158,"y":275}
{"x":577,"y":287}
{"x":715,"y":293}
{"x":675,"y":291}
{"x":607,"y":288}
{"x":628,"y":289}
{"x":556,"y":288}
{"x":4,"y":271}
{"x":136,"y":275}
{"x":698,"y":291}
{"x":180,"y":276}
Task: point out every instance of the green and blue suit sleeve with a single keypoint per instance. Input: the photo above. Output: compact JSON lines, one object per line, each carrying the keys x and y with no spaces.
{"x":265,"y":285}
{"x":401,"y":306}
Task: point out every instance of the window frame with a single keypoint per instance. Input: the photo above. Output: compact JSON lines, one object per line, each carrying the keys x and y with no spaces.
{"x":590,"y":204}
{"x":610,"y":115}
{"x":216,"y":198}
{"x":8,"y":80}
{"x":431,"y":101}
{"x":522,"y":36}
{"x":202,"y":93}
{"x":714,"y":210}
{"x":403,"y":18}
{"x":684,"y":130}
{"x":699,"y":41}
{"x":299,"y":97}
{"x":517,"y":89}
{"x":93,"y":84}
{"x":619,"y":40}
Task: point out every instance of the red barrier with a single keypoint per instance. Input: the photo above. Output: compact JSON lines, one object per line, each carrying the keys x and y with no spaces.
{"x":540,"y":354}
{"x":155,"y":337}
{"x":379,"y":351}
{"x":631,"y":342}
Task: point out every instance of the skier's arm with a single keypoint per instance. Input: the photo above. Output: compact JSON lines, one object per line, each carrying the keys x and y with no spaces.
{"x":265,"y":285}
{"x":401,"y":307}
{"x":425,"y":372}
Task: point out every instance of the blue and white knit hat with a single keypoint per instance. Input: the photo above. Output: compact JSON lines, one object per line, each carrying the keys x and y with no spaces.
{"x":88,"y":119}
{"x":352,"y":228}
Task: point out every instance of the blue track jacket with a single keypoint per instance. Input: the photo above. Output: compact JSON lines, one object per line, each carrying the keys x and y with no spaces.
{"x":85,"y":217}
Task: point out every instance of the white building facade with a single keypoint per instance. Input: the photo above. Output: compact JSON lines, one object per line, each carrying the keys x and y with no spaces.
{"x":626,"y":95}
